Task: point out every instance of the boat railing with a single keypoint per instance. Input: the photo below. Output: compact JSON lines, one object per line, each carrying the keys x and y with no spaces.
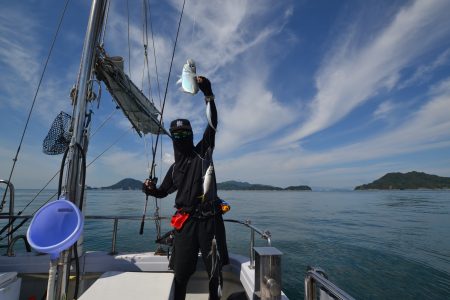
{"x":266,"y":235}
{"x":317,"y":286}
{"x":253,"y":229}
{"x":116,"y":225}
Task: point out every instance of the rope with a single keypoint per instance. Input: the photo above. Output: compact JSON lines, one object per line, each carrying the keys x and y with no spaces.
{"x":34,"y":101}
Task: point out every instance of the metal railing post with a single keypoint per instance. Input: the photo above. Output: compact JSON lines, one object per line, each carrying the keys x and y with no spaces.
{"x":11,"y":215}
{"x":309,"y":293}
{"x":252,"y":246}
{"x":316,"y":281}
{"x":114,"y":237}
{"x":268,"y":282}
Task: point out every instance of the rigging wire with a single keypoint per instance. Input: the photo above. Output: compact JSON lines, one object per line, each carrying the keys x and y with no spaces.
{"x":103,"y":123}
{"x":105,"y":25}
{"x":167,"y":85}
{"x":55,"y":194}
{"x":154,"y":149}
{"x":145,"y":43}
{"x":34,"y":101}
{"x":109,"y":147}
{"x":146,"y":66}
{"x":129,"y":49}
{"x":154,"y":53}
{"x":56,"y":174}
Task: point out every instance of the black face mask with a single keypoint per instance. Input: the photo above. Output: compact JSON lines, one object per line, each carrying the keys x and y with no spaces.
{"x":183,"y":144}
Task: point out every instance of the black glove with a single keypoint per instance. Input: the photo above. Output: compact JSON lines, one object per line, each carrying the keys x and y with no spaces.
{"x":205,"y":86}
{"x":149,"y":187}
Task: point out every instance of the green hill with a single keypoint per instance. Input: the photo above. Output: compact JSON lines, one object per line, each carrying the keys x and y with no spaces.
{"x":298,"y":188}
{"x":125,"y":184}
{"x":237,"y":185}
{"x":410,"y":180}
{"x":245,"y":186}
{"x":133,"y":184}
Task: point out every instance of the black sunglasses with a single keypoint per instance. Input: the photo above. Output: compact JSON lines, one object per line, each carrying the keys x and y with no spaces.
{"x":181,"y":134}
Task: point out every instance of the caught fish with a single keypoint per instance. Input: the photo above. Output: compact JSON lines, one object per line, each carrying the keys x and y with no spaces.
{"x":207,"y":181}
{"x":188,"y":78}
{"x":208,"y":115}
{"x":215,"y":260}
{"x":219,"y":291}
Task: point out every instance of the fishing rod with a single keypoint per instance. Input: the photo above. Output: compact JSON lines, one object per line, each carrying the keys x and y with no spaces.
{"x":152,"y":170}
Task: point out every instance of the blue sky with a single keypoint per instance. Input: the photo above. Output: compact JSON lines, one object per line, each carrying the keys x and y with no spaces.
{"x":323,"y":93}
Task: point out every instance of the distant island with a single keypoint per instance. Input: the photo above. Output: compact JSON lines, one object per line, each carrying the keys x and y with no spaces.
{"x":124,"y":184}
{"x":133,"y":184}
{"x":245,"y":186}
{"x":404,"y":181}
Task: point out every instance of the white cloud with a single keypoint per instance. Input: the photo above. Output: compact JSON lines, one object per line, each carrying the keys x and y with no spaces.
{"x":232,"y":42}
{"x":21,"y":60}
{"x":350,"y":78}
{"x":423,"y":72}
{"x":217,"y":42}
{"x":383,"y":110}
{"x":424,"y":130}
{"x":18,"y":63}
{"x":32,"y":169}
{"x":255,"y":115}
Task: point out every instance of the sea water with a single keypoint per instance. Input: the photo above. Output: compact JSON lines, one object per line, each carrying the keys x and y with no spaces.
{"x":372,"y":244}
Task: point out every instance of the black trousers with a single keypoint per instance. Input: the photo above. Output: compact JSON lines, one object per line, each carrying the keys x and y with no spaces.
{"x":197,"y":234}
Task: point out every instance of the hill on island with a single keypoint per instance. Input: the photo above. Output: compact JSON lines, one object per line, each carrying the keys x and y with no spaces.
{"x":241,"y":186}
{"x":133,"y":184}
{"x":410,"y":180}
{"x":125,"y":184}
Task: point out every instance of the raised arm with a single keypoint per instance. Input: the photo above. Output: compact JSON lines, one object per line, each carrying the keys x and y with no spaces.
{"x":211,"y":114}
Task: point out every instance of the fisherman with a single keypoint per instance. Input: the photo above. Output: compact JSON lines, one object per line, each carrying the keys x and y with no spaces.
{"x":198,"y":221}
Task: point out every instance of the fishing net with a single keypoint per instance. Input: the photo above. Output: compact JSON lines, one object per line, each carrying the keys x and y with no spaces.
{"x":59,"y":136}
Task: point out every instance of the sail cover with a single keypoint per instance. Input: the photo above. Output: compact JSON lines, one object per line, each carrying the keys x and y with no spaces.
{"x":142,"y":114}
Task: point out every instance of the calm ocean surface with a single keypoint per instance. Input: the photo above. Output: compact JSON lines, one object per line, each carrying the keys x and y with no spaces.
{"x":373,"y":244}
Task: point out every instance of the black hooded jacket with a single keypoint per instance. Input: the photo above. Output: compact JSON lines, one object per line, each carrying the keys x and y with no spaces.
{"x":186,"y":175}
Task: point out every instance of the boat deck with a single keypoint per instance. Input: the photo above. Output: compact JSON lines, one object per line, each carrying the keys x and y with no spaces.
{"x":131,"y":285}
{"x":141,"y":276}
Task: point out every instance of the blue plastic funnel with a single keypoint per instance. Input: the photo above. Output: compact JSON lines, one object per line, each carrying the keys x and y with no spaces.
{"x":55,"y":227}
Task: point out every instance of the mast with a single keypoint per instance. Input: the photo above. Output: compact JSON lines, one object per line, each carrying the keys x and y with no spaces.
{"x":80,"y":137}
